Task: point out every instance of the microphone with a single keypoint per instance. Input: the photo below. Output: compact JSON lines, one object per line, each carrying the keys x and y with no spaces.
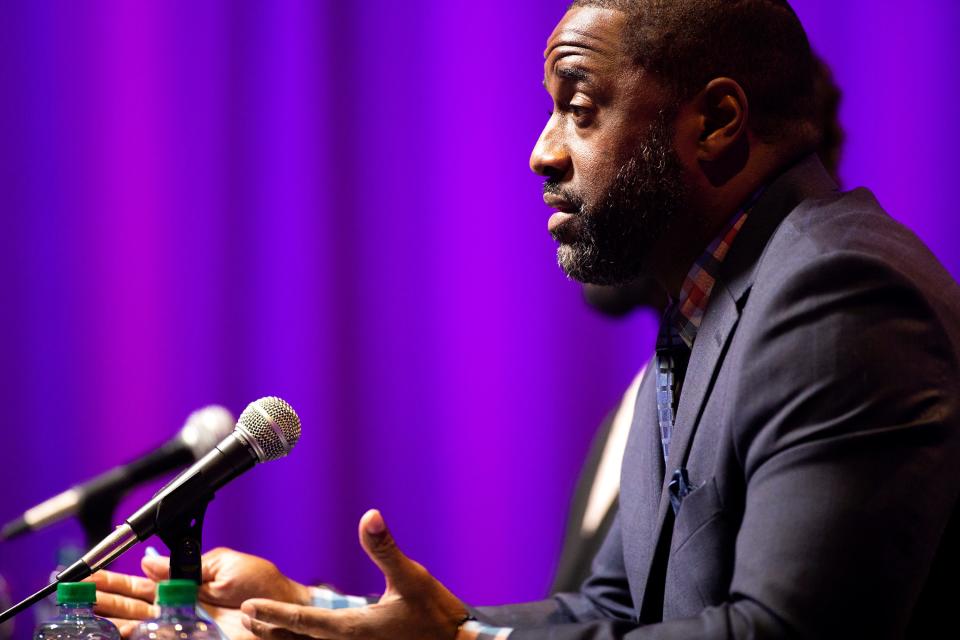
{"x":201,"y":432}
{"x":267,"y":430}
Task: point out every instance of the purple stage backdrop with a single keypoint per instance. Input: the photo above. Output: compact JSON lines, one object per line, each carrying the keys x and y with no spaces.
{"x":209,"y":202}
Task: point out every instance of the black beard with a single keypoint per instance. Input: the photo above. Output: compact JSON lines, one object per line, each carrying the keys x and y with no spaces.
{"x":615,"y":237}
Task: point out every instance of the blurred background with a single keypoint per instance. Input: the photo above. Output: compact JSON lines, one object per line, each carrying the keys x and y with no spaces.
{"x":209,"y":202}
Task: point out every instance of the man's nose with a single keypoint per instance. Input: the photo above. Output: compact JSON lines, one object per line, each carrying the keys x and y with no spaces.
{"x":550,"y":157}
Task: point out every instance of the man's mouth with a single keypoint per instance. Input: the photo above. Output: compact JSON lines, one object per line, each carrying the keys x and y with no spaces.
{"x":559,"y":203}
{"x":566,"y":212}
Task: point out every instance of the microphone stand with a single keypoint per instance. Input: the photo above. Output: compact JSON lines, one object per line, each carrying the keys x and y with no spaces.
{"x":183,"y":535}
{"x":178,"y":522}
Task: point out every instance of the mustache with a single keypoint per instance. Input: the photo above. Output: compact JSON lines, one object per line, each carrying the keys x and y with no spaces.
{"x":553,"y":188}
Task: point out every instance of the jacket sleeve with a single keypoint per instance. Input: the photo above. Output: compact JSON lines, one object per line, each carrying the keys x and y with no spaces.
{"x":605,"y":595}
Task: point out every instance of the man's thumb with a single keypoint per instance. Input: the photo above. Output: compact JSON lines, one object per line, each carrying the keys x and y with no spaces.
{"x":156,"y":567}
{"x":382,"y":549}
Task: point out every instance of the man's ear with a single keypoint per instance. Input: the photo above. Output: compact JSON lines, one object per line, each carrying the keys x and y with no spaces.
{"x":723,"y":117}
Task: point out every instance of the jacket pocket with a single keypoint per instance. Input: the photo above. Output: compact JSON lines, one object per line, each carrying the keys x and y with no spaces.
{"x":702,"y":547}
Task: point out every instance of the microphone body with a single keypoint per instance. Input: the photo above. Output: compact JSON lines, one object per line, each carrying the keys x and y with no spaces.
{"x":232,"y":457}
{"x":170,"y":456}
{"x":202,"y":430}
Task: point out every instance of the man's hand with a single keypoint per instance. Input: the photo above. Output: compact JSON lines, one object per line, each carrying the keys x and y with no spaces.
{"x":415,"y":605}
{"x":229,"y":578}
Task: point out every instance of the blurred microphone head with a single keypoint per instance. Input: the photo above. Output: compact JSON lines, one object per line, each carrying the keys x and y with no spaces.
{"x":205,"y":428}
{"x":271,"y":427}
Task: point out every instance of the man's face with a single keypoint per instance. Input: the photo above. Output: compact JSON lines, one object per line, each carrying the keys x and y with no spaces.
{"x":607,"y":151}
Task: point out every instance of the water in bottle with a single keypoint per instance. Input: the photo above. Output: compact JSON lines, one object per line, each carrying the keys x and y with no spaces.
{"x":178,"y":619}
{"x":74,"y":619}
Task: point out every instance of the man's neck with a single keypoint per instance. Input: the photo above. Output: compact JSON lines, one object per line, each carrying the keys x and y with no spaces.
{"x":683,"y":252}
{"x":697,"y":228}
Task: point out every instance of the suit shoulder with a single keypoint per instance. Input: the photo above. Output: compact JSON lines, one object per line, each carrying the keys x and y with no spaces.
{"x":850,"y":235}
{"x":852,"y":221}
{"x":848,"y":316}
{"x":840,"y":266}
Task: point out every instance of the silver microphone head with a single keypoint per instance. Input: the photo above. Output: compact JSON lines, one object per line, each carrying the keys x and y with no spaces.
{"x":271,"y":427}
{"x":205,"y":428}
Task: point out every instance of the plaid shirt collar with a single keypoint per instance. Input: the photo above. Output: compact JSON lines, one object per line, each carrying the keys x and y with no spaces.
{"x":683,"y":316}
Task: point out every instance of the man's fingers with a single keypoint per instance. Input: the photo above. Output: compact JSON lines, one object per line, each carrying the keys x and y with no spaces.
{"x":156,"y":568}
{"x":271,"y":632}
{"x":124,"y":599}
{"x":123,"y":584}
{"x":230,"y":621}
{"x":379,"y":544}
{"x":112,"y":605}
{"x":126,"y":627}
{"x":310,"y":621}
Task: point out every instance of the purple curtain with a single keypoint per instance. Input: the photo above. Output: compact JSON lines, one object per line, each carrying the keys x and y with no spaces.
{"x":208,"y":202}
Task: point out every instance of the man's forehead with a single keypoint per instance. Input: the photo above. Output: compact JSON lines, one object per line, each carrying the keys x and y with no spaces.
{"x":592,"y":28}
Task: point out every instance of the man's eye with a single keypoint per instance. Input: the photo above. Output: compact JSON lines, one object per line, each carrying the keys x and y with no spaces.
{"x":581,"y":114}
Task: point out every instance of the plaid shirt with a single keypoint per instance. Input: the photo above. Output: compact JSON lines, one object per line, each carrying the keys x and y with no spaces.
{"x":680,"y":324}
{"x":698,"y":285}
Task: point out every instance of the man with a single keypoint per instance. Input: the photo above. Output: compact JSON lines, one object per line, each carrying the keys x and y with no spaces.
{"x":594,"y":503}
{"x":792,"y":467}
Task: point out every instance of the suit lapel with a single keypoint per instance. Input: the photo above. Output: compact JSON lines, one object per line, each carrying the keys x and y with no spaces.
{"x":719,"y":323}
{"x":713,"y":337}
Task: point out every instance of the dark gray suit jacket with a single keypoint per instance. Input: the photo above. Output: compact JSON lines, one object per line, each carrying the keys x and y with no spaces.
{"x":820,"y":426}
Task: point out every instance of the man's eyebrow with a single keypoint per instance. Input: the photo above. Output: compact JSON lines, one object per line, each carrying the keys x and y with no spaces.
{"x":576,"y":74}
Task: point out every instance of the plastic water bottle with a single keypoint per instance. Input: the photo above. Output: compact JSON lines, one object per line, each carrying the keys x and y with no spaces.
{"x":75,"y":619}
{"x":178,"y":619}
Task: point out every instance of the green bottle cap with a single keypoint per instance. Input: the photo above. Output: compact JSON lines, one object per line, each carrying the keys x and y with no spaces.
{"x":176,"y":592}
{"x":76,"y":593}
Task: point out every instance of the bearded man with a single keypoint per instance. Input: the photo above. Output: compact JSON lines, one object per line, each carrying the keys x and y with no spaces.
{"x":793,"y":466}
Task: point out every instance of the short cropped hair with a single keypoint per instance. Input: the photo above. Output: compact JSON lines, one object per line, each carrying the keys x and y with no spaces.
{"x":759,"y":43}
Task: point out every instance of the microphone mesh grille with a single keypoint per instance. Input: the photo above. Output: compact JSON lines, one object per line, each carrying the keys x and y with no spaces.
{"x":273,"y":427}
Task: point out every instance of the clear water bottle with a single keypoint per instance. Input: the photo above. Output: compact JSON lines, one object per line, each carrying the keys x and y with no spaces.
{"x":74,"y":619}
{"x":178,"y":619}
